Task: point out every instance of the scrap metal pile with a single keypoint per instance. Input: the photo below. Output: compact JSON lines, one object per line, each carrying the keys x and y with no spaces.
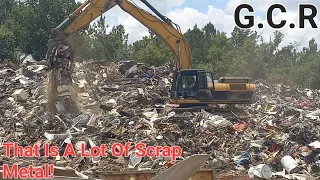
{"x":127,"y":102}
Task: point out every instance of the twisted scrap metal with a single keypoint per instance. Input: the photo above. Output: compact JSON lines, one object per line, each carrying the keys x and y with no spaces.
{"x":60,"y":56}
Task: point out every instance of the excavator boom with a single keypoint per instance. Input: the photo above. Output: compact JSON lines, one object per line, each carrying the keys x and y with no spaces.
{"x":163,"y":27}
{"x":85,"y":14}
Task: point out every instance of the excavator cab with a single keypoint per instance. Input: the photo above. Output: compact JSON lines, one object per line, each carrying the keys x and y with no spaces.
{"x":192,"y":84}
{"x":197,"y":87}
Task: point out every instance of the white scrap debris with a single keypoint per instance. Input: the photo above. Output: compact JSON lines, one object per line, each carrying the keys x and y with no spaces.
{"x":29,"y":58}
{"x":22,"y":79}
{"x":309,"y":94}
{"x":151,"y":114}
{"x":257,"y":143}
{"x":60,"y":107}
{"x":215,"y":120}
{"x":112,"y":101}
{"x":57,"y":136}
{"x":166,"y":80}
{"x":20,"y":94}
{"x":315,"y":145}
{"x":314,"y":114}
{"x":141,"y":91}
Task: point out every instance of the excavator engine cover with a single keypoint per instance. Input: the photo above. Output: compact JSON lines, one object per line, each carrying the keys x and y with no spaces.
{"x":233,"y":80}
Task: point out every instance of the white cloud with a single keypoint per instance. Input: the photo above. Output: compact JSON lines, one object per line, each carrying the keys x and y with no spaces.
{"x":188,"y":17}
{"x":223,"y":19}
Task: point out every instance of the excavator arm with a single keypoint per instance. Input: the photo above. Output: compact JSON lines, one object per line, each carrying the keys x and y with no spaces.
{"x":85,"y":14}
{"x":163,"y":27}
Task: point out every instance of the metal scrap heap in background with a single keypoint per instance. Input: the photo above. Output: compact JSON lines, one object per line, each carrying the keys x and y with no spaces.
{"x":126,"y":101}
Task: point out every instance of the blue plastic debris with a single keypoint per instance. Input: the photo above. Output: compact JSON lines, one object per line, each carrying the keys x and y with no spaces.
{"x":244,"y":159}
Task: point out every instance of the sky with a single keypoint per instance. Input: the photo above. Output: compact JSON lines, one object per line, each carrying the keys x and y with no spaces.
{"x":187,"y":13}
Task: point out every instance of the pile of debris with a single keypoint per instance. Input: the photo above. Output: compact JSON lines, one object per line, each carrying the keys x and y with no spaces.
{"x":126,"y":102}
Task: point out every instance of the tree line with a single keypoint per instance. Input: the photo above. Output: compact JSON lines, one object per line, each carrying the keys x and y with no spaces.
{"x":26,"y":25}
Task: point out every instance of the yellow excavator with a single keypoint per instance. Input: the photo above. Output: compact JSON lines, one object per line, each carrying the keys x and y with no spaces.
{"x":205,"y":90}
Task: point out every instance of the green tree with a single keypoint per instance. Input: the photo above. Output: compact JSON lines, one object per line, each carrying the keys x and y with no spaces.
{"x":97,"y":43}
{"x":218,"y":55}
{"x":6,"y":42}
{"x":6,"y":7}
{"x":32,"y":20}
{"x":151,"y":50}
{"x":240,"y":36}
{"x":196,"y":40}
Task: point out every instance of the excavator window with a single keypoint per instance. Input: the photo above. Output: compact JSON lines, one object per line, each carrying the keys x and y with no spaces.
{"x":188,"y":80}
{"x":202,"y":80}
{"x":209,"y":78}
{"x":189,"y":85}
{"x":204,"y":85}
